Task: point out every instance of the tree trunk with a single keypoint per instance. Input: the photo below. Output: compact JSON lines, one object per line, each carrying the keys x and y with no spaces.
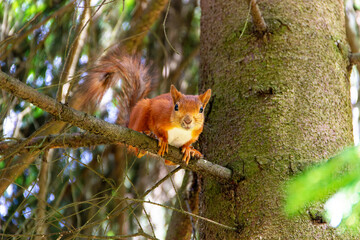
{"x":281,"y":101}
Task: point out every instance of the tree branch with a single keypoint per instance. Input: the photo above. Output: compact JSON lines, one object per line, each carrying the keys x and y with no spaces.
{"x":258,"y":20}
{"x":73,"y":56}
{"x":110,"y":131}
{"x":354,"y":58}
{"x":40,"y":221}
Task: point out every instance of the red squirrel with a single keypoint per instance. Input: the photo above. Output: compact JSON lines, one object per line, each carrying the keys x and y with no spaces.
{"x":174,"y":118}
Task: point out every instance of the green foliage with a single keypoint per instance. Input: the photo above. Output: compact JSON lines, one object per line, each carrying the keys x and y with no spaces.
{"x":340,"y":175}
{"x":356,"y":4}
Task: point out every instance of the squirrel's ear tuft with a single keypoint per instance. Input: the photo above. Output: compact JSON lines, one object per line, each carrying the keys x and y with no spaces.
{"x":204,"y":98}
{"x":175,"y":94}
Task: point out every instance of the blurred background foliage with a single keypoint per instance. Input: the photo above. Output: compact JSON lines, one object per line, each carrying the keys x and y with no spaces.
{"x":339,"y":178}
{"x":81,"y":187}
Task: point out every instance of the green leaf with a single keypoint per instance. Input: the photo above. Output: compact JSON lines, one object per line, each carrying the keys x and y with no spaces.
{"x":318,"y":183}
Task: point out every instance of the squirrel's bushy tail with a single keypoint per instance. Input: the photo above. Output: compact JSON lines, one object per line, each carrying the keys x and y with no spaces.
{"x":113,"y":67}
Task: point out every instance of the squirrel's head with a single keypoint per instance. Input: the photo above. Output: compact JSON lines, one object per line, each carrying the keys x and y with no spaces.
{"x":188,"y":110}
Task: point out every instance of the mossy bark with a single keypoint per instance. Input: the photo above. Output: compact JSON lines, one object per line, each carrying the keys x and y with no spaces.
{"x":281,"y":102}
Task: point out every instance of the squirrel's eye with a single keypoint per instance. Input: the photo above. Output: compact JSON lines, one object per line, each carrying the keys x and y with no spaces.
{"x":176,"y":108}
{"x":201,"y":109}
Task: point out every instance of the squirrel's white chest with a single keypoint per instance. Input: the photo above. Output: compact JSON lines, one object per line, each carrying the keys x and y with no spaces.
{"x":177,"y":137}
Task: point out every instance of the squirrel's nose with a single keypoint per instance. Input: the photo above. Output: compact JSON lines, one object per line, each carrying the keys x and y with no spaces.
{"x":187,"y":120}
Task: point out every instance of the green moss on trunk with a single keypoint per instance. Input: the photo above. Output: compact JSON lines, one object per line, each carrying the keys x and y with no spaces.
{"x":280,"y":102}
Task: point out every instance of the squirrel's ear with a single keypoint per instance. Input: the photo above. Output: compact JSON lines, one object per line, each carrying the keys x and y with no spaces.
{"x":204,"y":98}
{"x":175,"y":94}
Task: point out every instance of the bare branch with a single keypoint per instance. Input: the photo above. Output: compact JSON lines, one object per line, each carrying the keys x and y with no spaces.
{"x":111,"y":131}
{"x":77,"y":140}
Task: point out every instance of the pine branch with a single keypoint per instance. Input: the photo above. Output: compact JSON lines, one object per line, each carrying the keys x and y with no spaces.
{"x":97,"y":126}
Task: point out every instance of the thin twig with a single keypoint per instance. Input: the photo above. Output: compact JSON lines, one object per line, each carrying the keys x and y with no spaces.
{"x":19,"y":119}
{"x":180,"y":226}
{"x":191,"y":218}
{"x":164,"y":28}
{"x":174,"y":76}
{"x":20,"y":207}
{"x":12,"y":151}
{"x":115,"y":212}
{"x":160,"y":182}
{"x":102,"y":177}
{"x":184,"y":212}
{"x":133,"y":208}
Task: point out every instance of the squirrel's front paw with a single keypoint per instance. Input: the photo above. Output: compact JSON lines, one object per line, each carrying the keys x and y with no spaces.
{"x":189,"y":152}
{"x":163,"y":147}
